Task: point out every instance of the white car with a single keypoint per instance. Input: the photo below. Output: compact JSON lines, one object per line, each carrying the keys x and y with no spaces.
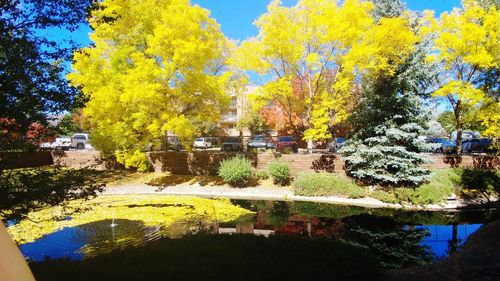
{"x":63,"y":143}
{"x":47,"y":145}
{"x":202,"y":143}
{"x":80,"y":141}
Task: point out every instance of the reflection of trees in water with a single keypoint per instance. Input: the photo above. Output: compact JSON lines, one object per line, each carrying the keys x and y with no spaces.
{"x":385,"y":233}
{"x":101,"y":238}
{"x":395,"y":245}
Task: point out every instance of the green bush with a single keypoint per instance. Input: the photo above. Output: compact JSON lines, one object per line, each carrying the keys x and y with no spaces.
{"x":326,"y":184}
{"x":236,"y":171}
{"x":280,"y":172}
{"x":404,"y":194}
{"x":262,"y":175}
{"x":443,"y":183}
{"x":484,"y":181}
{"x":383,"y":196}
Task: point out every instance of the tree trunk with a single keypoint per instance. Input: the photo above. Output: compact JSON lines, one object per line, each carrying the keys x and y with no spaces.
{"x":309,"y":116}
{"x":309,"y":146}
{"x":454,"y":239}
{"x":458,"y":118}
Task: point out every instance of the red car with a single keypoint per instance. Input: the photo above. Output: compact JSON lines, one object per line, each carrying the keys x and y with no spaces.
{"x":286,"y":142}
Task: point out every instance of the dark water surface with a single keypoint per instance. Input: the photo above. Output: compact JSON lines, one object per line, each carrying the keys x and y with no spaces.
{"x":396,"y":237}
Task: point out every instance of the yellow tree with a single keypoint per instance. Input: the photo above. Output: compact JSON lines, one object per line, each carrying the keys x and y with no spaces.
{"x":155,"y":66}
{"x":328,"y":47}
{"x":467,"y":44}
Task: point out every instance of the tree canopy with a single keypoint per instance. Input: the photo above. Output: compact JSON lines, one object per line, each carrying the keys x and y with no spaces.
{"x":327,"y":47}
{"x":154,"y":67}
{"x":467,"y":46}
{"x":32,"y":70}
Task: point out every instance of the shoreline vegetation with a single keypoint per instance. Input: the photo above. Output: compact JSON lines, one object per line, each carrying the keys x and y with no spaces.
{"x":449,"y":189}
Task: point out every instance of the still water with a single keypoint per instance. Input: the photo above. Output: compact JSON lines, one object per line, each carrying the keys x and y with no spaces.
{"x":386,"y":233}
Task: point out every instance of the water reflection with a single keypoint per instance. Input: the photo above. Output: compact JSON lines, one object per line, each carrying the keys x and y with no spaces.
{"x":90,"y":239}
{"x":397,"y":238}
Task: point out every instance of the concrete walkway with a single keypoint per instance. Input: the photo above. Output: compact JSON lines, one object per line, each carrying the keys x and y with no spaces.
{"x":256,"y":193}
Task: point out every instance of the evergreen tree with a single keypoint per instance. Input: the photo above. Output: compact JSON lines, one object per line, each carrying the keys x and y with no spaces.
{"x":385,"y":142}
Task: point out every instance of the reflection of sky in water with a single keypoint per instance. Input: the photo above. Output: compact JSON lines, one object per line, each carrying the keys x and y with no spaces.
{"x":276,"y":218}
{"x":55,"y":245}
{"x":90,"y":239}
{"x":442,"y":235}
{"x":68,"y":242}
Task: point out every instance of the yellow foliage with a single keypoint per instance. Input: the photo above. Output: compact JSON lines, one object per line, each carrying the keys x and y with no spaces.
{"x":489,"y":115}
{"x":152,"y":210}
{"x":155,"y":67}
{"x":327,"y":47}
{"x":467,"y":43}
{"x":466,"y":92}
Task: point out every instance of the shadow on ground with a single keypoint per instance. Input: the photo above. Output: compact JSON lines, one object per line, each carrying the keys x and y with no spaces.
{"x":221,"y":257}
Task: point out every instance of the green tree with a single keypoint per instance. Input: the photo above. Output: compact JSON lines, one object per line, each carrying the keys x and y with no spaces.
{"x":386,"y":125}
{"x":68,"y":126}
{"x":470,"y":120}
{"x":32,"y":70}
{"x":253,"y":121}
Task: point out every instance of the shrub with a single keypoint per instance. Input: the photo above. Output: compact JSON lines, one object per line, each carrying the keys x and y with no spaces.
{"x":236,"y":171}
{"x":384,"y":196}
{"x":326,"y":184}
{"x":443,"y":183}
{"x":485,"y":181}
{"x":280,"y":172}
{"x":262,"y":175}
{"x":404,"y":194}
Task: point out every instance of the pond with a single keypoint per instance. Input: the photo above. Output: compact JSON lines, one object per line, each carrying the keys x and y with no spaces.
{"x":398,"y":238}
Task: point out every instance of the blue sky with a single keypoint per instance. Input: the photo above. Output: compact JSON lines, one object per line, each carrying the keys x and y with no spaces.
{"x":236,"y":17}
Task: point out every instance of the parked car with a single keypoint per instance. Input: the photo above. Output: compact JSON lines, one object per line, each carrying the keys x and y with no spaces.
{"x":47,"y":145}
{"x":465,"y":135}
{"x":481,"y":145}
{"x":335,"y":144}
{"x":80,"y":141}
{"x":63,"y":142}
{"x":204,"y":142}
{"x":231,"y":144}
{"x":260,"y":141}
{"x":173,"y":143}
{"x":287,"y":143}
{"x":443,"y":145}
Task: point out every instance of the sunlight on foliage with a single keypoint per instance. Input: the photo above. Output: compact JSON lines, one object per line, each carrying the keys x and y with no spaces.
{"x":150,"y":209}
{"x":154,"y":67}
{"x":467,"y":45}
{"x":327,"y":47}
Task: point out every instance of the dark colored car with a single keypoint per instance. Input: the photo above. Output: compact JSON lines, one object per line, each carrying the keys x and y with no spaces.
{"x":476,"y":145}
{"x":260,"y":142}
{"x":335,"y":144}
{"x":445,"y":145}
{"x":231,"y":144}
{"x":286,"y":142}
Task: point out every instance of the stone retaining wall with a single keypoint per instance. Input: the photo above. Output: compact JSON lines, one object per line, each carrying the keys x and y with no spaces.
{"x":207,"y":162}
{"x":17,"y":160}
